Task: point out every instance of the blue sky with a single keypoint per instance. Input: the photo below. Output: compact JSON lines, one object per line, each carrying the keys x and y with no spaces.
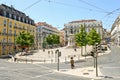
{"x":59,"y":12}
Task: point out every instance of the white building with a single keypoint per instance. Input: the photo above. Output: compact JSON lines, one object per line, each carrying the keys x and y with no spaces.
{"x":115,"y":32}
{"x":73,"y":27}
{"x":43,"y":30}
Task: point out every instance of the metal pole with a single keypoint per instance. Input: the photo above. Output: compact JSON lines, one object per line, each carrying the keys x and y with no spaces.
{"x":94,"y":62}
{"x":7,"y":34}
{"x":58,"y":61}
{"x":96,"y":67}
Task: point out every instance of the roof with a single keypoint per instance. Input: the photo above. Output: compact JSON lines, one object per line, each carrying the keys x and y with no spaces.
{"x":45,"y":24}
{"x":77,"y":21}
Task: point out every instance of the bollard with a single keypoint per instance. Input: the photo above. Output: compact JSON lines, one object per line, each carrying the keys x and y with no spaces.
{"x":74,"y":55}
{"x":78,"y":57}
{"x":65,"y":59}
{"x":31,"y":61}
{"x":44,"y":61}
{"x":26,"y":61}
{"x":15,"y":59}
{"x":51,"y":60}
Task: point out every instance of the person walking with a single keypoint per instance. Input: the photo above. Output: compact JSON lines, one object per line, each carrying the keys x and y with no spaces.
{"x":72,"y":63}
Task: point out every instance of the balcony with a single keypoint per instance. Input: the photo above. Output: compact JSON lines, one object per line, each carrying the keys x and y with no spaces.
{"x":4,"y":33}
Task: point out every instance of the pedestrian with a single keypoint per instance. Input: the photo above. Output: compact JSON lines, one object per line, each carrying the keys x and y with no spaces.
{"x":75,"y":49}
{"x":43,"y":50}
{"x":72,"y":63}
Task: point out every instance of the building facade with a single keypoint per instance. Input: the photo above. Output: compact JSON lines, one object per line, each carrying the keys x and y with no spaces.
{"x":12,"y":22}
{"x":62,"y":37}
{"x":115,"y":32}
{"x":73,"y":27}
{"x":43,"y":30}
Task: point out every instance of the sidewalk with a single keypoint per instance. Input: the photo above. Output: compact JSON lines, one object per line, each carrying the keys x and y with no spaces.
{"x":88,"y":72}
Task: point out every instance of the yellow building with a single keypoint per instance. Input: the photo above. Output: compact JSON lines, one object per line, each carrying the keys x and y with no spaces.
{"x":12,"y":22}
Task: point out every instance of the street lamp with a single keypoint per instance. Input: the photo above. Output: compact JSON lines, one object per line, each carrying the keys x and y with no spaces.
{"x":58,"y":54}
{"x":97,"y":47}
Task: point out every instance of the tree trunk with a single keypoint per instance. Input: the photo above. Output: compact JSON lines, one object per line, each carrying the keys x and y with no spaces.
{"x":85,"y":51}
{"x":82,"y":51}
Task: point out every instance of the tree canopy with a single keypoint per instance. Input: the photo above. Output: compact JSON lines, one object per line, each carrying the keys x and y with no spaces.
{"x":24,"y":39}
{"x":81,"y":38}
{"x":93,"y":37}
{"x":53,"y":39}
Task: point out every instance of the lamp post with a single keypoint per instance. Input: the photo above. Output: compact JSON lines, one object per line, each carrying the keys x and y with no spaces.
{"x":96,"y":59}
{"x":58,"y":54}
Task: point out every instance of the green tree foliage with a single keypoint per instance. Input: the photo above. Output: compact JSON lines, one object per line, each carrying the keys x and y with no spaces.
{"x":93,"y":37}
{"x":53,"y":39}
{"x":24,"y":39}
{"x":81,"y":38}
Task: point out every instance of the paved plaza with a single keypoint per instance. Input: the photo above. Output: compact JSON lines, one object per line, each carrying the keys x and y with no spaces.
{"x":48,"y":57}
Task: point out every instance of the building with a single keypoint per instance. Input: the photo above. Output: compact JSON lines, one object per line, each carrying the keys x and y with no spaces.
{"x":12,"y":22}
{"x":62,"y":37}
{"x":106,"y":36}
{"x":115,"y":32}
{"x":43,"y":30}
{"x":73,"y":27}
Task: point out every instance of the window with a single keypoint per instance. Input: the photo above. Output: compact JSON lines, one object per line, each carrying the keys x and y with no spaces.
{"x":4,"y":40}
{"x":23,"y":19}
{"x":14,"y":31}
{"x":19,"y":18}
{"x":5,"y":23}
{"x":10,"y":15}
{"x":10,"y":31}
{"x":26,"y":21}
{"x":15,"y":17}
{"x":10,"y":24}
{"x":15,"y":25}
{"x":9,"y":40}
{"x":71,"y":31}
{"x":4,"y":30}
{"x":4,"y":13}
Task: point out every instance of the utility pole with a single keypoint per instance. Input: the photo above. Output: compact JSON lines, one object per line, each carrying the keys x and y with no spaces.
{"x":97,"y":47}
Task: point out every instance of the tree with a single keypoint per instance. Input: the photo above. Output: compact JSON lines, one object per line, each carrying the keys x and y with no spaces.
{"x":81,"y":38}
{"x":53,"y":39}
{"x":24,"y":39}
{"x":93,"y":37}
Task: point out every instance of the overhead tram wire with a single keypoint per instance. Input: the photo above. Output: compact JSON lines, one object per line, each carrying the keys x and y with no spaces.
{"x":94,"y":6}
{"x":66,"y":4}
{"x":108,"y":13}
{"x":31,"y":5}
{"x":112,"y":12}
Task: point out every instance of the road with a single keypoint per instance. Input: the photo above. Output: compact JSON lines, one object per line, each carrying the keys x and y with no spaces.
{"x":109,"y":66}
{"x":22,"y":71}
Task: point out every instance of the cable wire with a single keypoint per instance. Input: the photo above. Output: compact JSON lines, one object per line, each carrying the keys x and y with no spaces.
{"x":71,"y":5}
{"x":31,"y":5}
{"x":94,"y":6}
